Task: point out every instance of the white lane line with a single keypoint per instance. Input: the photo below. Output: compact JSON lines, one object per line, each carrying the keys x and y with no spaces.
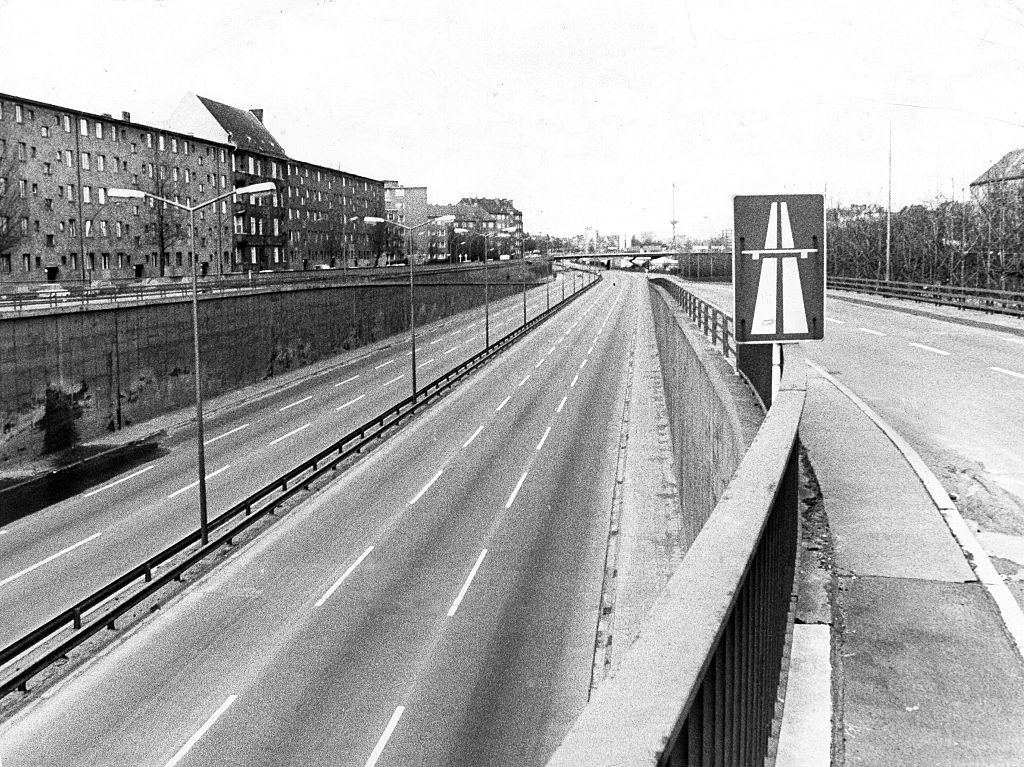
{"x":525,"y":379}
{"x":297,"y":402}
{"x":931,"y":349}
{"x":583,"y":364}
{"x":424,"y":364}
{"x":543,"y":439}
{"x":396,"y":378}
{"x":574,"y":380}
{"x":465,"y":586}
{"x":426,"y":487}
{"x":1007,"y":372}
{"x":130,"y":476}
{"x":540,"y":362}
{"x":346,"y":574}
{"x":471,"y":325}
{"x":49,"y":559}
{"x":561,"y":404}
{"x":519,"y":485}
{"x":225,"y":434}
{"x":552,"y":348}
{"x":347,"y":380}
{"x":379,"y":748}
{"x":292,"y":433}
{"x":201,"y":731}
{"x":350,"y":402}
{"x":436,"y":341}
{"x":222,"y":469}
{"x":872,"y":332}
{"x":479,"y":429}
{"x":449,"y":351}
{"x":591,"y":349}
{"x":837,"y":322}
{"x":383,"y":364}
{"x":503,"y":403}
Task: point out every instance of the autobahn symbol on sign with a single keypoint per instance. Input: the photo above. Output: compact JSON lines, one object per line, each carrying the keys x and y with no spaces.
{"x":779,"y":289}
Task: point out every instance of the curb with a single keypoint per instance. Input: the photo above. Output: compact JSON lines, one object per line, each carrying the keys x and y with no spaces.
{"x":1009,"y":610}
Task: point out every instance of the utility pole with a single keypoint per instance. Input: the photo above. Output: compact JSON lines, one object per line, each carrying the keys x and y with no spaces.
{"x":888,"y":215}
{"x":674,"y":221}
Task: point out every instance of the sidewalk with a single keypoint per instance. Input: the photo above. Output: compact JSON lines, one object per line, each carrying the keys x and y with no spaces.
{"x":923,"y":671}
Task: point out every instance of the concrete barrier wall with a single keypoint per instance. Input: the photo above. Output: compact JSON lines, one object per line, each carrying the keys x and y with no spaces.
{"x":713,"y":415}
{"x":75,"y":376}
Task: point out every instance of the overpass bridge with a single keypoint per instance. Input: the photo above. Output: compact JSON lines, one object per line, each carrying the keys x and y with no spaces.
{"x":454,"y":572}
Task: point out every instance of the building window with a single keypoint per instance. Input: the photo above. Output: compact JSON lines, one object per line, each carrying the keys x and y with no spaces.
{"x":99,"y":130}
{"x":252,"y":254}
{"x":160,"y":145}
{"x":239,"y":225}
{"x":47,"y":170}
{"x":188,"y":177}
{"x":277,"y":227}
{"x":88,"y":227}
{"x":105,"y":260}
{"x":22,"y":150}
{"x":101,"y":195}
{"x":252,"y":164}
{"x":83,"y":126}
{"x":67,"y":158}
{"x":101,"y":163}
{"x":17,"y":113}
{"x":71,"y":192}
{"x":117,"y":229}
{"x":148,"y":138}
{"x":26,"y":263}
{"x":22,"y":187}
{"x":66,"y":119}
{"x":185,"y":147}
{"x":85,"y":161}
{"x":277,"y":254}
{"x":5,"y":264}
{"x":44,"y":131}
{"x":174,"y":172}
{"x":24,"y":225}
{"x":223,"y":155}
{"x":174,"y":145}
{"x":86,"y":194}
{"x":223,"y":181}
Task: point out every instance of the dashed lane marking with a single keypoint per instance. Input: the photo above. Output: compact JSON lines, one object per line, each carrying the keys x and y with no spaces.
{"x":465,"y":586}
{"x":931,"y":349}
{"x":346,"y":574}
{"x":209,"y":476}
{"x":292,"y":433}
{"x":137,"y":473}
{"x":297,"y":402}
{"x":350,"y":402}
{"x":49,"y":559}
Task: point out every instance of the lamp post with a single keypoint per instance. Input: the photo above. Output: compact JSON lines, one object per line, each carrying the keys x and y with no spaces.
{"x":501,"y":235}
{"x":412,"y":305}
{"x":262,"y":188}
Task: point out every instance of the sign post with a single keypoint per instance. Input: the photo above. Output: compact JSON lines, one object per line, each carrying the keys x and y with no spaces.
{"x":778,"y":281}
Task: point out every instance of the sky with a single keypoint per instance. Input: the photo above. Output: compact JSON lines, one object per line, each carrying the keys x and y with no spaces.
{"x":585,"y":113}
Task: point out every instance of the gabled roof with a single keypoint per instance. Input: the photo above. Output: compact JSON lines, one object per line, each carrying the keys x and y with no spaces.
{"x":493,"y":205}
{"x":1010,"y":168}
{"x":244,"y":129}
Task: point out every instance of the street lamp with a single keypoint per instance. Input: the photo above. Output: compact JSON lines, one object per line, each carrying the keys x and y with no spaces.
{"x":501,"y":235}
{"x":412,"y":305}
{"x":264,"y":187}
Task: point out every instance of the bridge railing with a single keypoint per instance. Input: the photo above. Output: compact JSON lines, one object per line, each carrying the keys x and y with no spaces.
{"x":699,"y":685}
{"x":983,"y":299}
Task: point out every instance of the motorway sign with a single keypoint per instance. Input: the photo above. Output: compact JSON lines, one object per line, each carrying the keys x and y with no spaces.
{"x":779,"y":268}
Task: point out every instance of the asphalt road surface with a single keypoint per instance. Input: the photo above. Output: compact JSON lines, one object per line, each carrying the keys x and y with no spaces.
{"x":51,"y":559}
{"x":436,"y":605}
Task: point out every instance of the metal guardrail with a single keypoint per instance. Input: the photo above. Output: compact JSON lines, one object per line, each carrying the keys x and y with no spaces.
{"x":699,"y":685}
{"x":282,"y":489}
{"x":712,"y":321}
{"x":81,"y":296}
{"x":982,"y":299}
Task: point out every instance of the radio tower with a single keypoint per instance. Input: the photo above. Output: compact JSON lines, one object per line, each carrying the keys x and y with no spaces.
{"x":674,"y":221}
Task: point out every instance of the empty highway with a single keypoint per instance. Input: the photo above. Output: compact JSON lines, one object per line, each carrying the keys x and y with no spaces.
{"x":51,"y":559}
{"x":435,"y":605}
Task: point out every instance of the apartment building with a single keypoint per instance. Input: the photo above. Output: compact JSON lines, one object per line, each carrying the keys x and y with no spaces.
{"x":505,"y":216}
{"x":57,"y":222}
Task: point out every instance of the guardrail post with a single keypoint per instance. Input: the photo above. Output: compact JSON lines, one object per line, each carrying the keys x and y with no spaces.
{"x":76,"y":617}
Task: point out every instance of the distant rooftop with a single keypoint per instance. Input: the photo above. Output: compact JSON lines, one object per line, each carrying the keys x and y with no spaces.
{"x":245,"y":128}
{"x":1009,"y":168}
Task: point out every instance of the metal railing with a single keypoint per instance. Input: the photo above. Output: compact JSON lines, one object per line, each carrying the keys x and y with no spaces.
{"x":83,"y":295}
{"x":982,"y":299}
{"x":264,"y":501}
{"x":712,"y":321}
{"x":699,"y":685}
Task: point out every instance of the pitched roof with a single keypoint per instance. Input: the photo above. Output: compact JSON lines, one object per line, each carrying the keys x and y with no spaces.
{"x":493,"y":205}
{"x":1009,"y":168}
{"x":244,"y":129}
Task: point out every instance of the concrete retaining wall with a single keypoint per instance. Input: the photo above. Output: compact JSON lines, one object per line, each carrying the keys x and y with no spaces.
{"x":73,"y":377}
{"x":713,"y":415}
